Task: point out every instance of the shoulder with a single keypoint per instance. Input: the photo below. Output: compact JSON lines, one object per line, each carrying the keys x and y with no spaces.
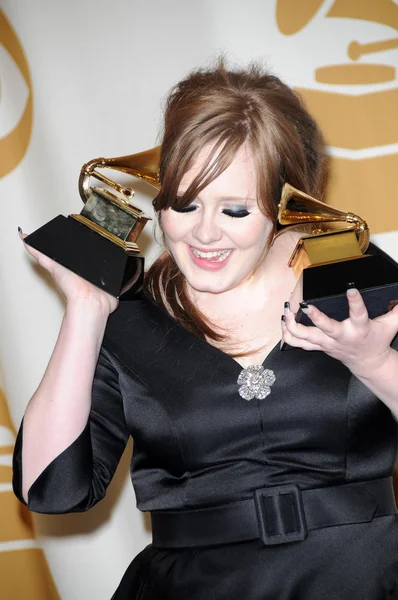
{"x":150,"y":343}
{"x":138,"y":327}
{"x":135,"y":318}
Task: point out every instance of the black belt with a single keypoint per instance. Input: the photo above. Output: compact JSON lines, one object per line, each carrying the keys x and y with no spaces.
{"x":276,"y":515}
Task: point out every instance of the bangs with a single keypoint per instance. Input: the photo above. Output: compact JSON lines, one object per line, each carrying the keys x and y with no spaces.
{"x":181,"y":159}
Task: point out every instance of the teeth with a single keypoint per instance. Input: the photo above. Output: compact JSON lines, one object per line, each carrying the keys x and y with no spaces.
{"x":220,"y":255}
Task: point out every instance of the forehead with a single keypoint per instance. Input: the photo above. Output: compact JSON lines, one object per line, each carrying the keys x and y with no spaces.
{"x":239,"y":177}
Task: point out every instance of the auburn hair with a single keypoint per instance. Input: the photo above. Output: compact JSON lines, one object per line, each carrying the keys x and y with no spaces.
{"x":224,"y":109}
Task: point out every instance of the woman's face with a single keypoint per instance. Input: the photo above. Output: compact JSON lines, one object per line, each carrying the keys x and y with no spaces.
{"x":218,"y":240}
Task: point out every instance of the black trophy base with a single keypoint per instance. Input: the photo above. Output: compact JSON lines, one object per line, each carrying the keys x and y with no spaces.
{"x":91,"y":256}
{"x":325,"y":286}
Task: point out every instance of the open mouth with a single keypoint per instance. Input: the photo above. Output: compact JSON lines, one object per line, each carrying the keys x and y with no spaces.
{"x":216,"y":256}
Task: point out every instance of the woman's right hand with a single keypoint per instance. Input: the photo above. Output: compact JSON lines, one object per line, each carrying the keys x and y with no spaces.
{"x":73,"y":287}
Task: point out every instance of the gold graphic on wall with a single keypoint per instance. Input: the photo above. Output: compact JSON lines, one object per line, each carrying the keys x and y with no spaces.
{"x":18,"y":554}
{"x":14,"y":144}
{"x":355,"y":122}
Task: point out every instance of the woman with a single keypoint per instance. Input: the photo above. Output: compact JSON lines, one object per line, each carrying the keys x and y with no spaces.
{"x":287,"y":495}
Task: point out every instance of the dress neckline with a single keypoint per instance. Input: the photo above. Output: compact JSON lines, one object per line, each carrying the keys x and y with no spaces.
{"x":203,"y":342}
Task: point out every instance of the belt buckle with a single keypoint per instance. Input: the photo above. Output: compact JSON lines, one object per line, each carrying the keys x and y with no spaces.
{"x":280,"y":514}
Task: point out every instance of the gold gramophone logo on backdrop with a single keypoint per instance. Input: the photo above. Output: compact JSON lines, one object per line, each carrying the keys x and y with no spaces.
{"x":16,"y":103}
{"x":354,"y":98}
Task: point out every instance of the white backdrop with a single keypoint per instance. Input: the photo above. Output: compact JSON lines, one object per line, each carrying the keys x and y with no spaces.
{"x":100,"y":71}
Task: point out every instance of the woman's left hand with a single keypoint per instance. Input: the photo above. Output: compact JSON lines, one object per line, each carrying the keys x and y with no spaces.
{"x":360,"y":343}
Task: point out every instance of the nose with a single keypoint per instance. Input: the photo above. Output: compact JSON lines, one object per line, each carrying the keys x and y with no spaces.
{"x":207,"y":230}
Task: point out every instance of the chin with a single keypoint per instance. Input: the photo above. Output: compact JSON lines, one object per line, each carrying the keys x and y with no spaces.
{"x":209,"y":287}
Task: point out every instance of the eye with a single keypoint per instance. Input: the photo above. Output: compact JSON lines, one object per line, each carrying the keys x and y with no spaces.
{"x":237,"y":214}
{"x":185,"y":209}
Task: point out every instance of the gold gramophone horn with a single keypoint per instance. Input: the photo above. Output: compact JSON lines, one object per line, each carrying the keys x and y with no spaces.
{"x":143,"y":165}
{"x":297,"y":207}
{"x":322,"y":245}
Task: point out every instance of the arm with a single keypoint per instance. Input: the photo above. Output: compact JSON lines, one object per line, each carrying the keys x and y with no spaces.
{"x":58,"y":413}
{"x":78,"y":477}
{"x":362,"y":344}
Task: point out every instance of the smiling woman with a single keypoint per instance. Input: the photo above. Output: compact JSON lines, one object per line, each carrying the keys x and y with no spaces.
{"x":267,"y":481}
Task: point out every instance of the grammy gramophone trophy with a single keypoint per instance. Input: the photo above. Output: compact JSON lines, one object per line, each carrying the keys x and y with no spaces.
{"x":100,"y":243}
{"x":334,"y":254}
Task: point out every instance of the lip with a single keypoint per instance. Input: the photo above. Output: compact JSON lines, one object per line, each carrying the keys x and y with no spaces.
{"x":206,"y":264}
{"x":209,"y":249}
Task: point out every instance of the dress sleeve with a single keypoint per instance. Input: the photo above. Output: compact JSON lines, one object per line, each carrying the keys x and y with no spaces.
{"x":78,"y":477}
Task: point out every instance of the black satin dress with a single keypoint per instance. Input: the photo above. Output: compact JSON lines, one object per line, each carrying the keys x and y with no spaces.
{"x":197,"y":443}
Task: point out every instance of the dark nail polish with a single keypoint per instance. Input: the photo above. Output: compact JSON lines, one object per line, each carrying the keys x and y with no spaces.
{"x":283,"y":318}
{"x":287,"y":305}
{"x":303,"y":304}
{"x":350,"y":285}
{"x":19,"y":230}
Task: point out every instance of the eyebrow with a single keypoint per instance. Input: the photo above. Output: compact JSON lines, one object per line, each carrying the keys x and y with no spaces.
{"x":235,"y":199}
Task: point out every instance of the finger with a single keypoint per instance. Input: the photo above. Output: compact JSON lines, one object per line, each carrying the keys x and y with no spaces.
{"x":21,"y":234}
{"x":327,"y":325}
{"x":33,"y":252}
{"x":41,"y":258}
{"x":299,"y":343}
{"x":299,"y":330}
{"x":311,"y":334}
{"x":357,"y":309}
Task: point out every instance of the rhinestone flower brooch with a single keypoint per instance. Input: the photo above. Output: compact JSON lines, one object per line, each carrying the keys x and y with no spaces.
{"x":255,"y":382}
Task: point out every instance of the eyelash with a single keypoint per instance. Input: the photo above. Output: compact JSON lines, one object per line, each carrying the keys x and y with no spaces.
{"x":238,"y":214}
{"x":185,"y":209}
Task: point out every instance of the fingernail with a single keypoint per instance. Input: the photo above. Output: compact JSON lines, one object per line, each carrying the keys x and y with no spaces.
{"x":283,"y":321}
{"x":286,"y":308}
{"x":20,"y":232}
{"x":304,"y":307}
{"x":352,"y":291}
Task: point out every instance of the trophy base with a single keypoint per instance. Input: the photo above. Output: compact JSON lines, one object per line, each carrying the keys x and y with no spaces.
{"x":91,"y":256}
{"x":325,"y":286}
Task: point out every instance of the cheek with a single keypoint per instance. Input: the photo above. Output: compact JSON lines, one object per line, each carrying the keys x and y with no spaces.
{"x":171,"y":225}
{"x":254,"y":235}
